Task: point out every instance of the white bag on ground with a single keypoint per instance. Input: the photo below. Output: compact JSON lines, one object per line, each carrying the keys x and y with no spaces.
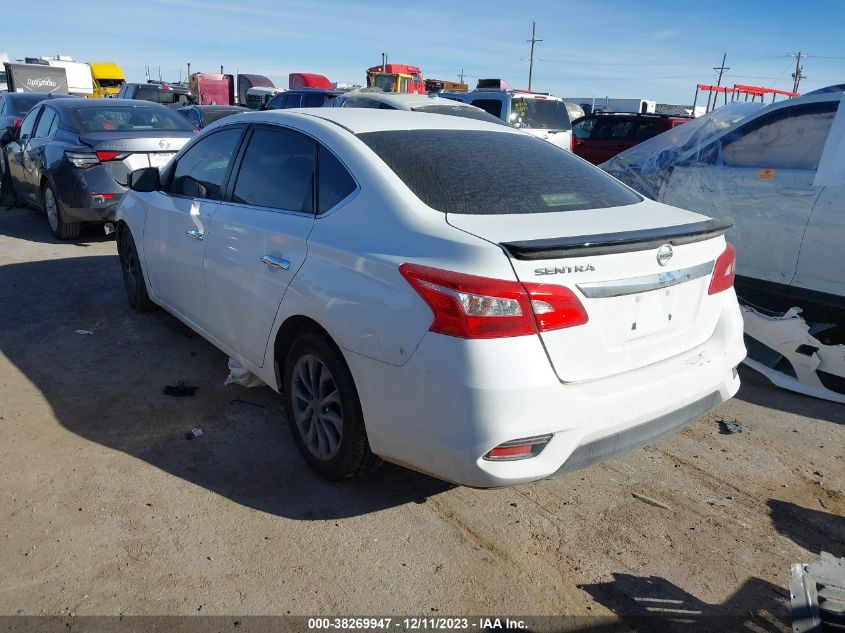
{"x":239,"y":375}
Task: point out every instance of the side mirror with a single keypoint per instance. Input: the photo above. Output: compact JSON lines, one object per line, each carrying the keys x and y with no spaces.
{"x":144,"y":180}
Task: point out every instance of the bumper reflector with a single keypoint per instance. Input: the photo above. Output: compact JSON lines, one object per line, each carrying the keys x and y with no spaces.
{"x":523,"y":448}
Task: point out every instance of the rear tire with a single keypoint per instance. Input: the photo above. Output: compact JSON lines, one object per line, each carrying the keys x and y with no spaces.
{"x":7,"y":191}
{"x":55,"y":216}
{"x":324,"y":411}
{"x":133,"y":276}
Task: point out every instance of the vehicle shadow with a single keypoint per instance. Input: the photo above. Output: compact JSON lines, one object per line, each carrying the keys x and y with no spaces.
{"x":814,"y":530}
{"x":655,"y":604}
{"x":105,"y":383}
{"x":29,"y":224}
{"x":756,"y":389}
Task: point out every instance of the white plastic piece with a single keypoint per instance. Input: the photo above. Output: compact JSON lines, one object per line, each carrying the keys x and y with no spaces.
{"x":785,"y":334}
{"x":239,"y":375}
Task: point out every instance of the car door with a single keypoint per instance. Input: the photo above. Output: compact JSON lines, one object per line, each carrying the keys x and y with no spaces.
{"x":178,"y":220}
{"x":258,"y":237}
{"x":609,"y":136}
{"x":34,"y":151}
{"x":15,"y":156}
{"x":821,"y":264}
{"x":760,"y":177}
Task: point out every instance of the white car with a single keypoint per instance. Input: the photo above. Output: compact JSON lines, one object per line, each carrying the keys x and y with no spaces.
{"x":431,"y":104}
{"x":443,"y":293}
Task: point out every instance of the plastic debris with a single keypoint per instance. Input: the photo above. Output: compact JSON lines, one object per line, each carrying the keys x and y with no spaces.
{"x":85,"y":332}
{"x":650,"y":501}
{"x":179,"y":390}
{"x":787,"y":351}
{"x":240,"y":375}
{"x":195,"y":432}
{"x":729,"y":427}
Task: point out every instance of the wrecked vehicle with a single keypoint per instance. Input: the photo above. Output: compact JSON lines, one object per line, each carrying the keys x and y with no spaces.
{"x":778,"y":174}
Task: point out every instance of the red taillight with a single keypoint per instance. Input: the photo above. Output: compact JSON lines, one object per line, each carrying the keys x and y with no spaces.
{"x":724,"y":271}
{"x":18,"y":123}
{"x":107,"y":156}
{"x":468,"y":306}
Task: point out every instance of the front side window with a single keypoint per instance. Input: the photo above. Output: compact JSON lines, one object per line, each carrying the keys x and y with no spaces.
{"x":45,"y":123}
{"x":28,"y":125}
{"x":202,"y":170}
{"x":791,"y":138}
{"x":583,"y":128}
{"x":313,"y":100}
{"x":292,"y":101}
{"x":277,"y":171}
{"x":474,"y":172}
{"x":612,"y":129}
{"x":492,"y":106}
{"x":335,"y":183}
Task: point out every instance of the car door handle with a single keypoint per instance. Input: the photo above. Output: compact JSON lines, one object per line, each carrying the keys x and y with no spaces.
{"x":195,"y":235}
{"x":275,"y":262}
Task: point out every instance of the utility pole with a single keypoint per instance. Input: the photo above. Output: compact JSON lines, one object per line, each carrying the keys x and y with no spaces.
{"x":462,"y":75}
{"x":533,"y":41}
{"x":720,"y":69}
{"x":798,"y":75}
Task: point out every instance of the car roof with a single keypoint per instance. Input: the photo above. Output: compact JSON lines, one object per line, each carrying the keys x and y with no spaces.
{"x":213,"y":107}
{"x":75,"y":103}
{"x":361,"y":120}
{"x":405,"y":101}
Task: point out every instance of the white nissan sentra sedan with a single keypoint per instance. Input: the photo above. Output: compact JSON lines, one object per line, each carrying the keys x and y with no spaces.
{"x":448,"y":294}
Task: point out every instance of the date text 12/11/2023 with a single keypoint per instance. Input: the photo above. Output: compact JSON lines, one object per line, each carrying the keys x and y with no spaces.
{"x":415,"y":623}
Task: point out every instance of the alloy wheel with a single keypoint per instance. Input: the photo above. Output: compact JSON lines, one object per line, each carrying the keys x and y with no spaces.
{"x":51,"y":208}
{"x":317,"y":408}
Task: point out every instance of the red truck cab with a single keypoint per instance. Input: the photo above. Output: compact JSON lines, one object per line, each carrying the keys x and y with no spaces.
{"x":212,"y":88}
{"x":396,"y":78}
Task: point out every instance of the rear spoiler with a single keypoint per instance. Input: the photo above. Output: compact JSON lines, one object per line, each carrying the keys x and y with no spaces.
{"x":623,"y":242}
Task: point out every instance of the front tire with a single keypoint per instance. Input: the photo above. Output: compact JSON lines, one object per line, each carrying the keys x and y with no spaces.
{"x":55,"y":217}
{"x":324,"y":411}
{"x":133,"y":276}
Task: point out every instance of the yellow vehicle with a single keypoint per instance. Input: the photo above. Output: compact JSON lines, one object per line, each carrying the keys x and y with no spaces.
{"x":108,"y":78}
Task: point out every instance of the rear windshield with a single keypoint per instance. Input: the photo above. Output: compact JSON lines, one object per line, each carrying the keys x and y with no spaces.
{"x":548,"y":114}
{"x":21,"y":104}
{"x":129,"y":119}
{"x":157,"y":95}
{"x":457,"y":110}
{"x":474,"y":172}
{"x":110,"y":83}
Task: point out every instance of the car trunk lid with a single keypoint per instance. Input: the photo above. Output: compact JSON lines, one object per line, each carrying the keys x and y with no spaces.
{"x":642,"y":309}
{"x":122,"y":153}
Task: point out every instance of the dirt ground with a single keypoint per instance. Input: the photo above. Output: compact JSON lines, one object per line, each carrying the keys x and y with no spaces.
{"x":106,"y":508}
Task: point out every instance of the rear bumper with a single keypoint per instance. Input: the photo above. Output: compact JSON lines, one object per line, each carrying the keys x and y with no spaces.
{"x":456,"y":399}
{"x":78,"y":189}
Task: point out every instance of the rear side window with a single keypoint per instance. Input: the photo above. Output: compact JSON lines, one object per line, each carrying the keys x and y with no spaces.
{"x":335,"y":183}
{"x":277,"y":171}
{"x":790,"y":138}
{"x":201,"y":171}
{"x":45,"y":123}
{"x":292,"y":101}
{"x":473,"y":172}
{"x":313,"y":100}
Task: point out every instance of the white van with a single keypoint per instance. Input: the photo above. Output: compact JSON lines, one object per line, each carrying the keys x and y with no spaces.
{"x":79,"y":80}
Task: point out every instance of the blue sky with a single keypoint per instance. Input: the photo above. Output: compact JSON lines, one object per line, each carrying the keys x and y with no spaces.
{"x":657,"y":49}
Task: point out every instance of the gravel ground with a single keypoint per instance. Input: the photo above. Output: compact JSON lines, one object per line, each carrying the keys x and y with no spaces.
{"x":108,"y":509}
